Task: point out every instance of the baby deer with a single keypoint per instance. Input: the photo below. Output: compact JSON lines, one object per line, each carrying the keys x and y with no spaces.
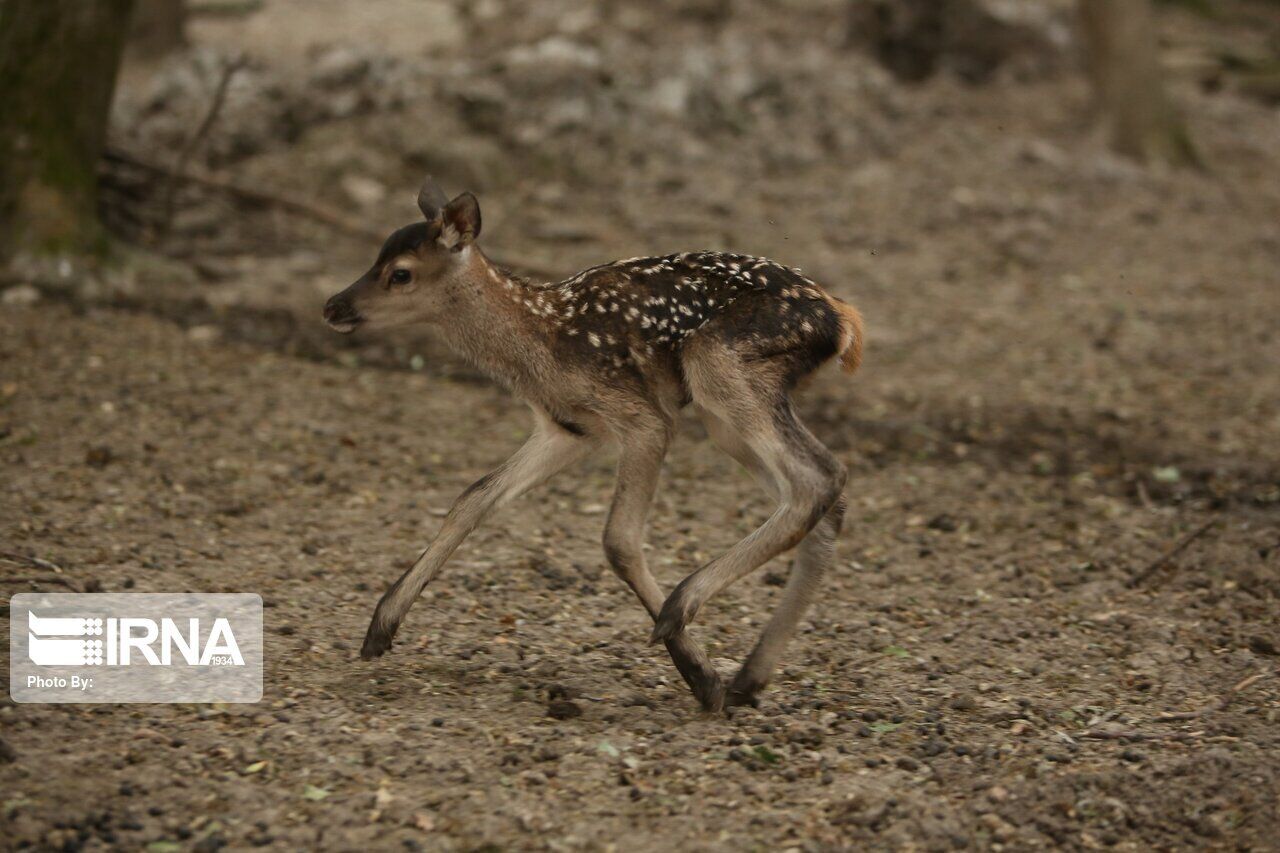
{"x":612,"y":355}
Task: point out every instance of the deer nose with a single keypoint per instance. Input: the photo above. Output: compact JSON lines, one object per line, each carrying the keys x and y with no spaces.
{"x":339,"y":311}
{"x":336,"y":308}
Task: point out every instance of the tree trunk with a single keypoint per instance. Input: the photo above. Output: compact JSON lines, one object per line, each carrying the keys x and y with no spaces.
{"x":1124,"y":66}
{"x":58,"y":63}
{"x":159,"y":26}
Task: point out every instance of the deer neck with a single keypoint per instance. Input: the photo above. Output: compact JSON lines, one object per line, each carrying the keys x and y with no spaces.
{"x":490,"y":324}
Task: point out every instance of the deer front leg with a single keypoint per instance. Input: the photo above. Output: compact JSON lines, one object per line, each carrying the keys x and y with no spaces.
{"x":549,"y":450}
{"x":639,"y":463}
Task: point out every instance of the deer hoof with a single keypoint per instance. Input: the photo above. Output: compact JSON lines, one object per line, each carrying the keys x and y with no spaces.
{"x":743,"y":690}
{"x":736,"y":699}
{"x":711,"y":697}
{"x":377,"y":642}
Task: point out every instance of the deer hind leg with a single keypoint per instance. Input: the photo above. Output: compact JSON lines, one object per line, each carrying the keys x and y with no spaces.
{"x":549,"y":450}
{"x":639,"y":463}
{"x":814,"y":554}
{"x":809,"y":480}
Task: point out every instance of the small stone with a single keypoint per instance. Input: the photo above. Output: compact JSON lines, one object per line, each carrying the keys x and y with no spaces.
{"x":906,"y":762}
{"x":563,"y":709}
{"x":1045,"y":152}
{"x":944,"y":522}
{"x":363,"y":190}
{"x":201,"y":220}
{"x":203,"y":334}
{"x":99,"y":457}
{"x":340,"y":66}
{"x":534,"y":777}
{"x":638,"y":700}
{"x":21,"y":295}
{"x":1258,"y":644}
{"x":561,"y":691}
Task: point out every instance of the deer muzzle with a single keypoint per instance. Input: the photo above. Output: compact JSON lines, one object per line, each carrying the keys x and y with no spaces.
{"x":341,"y":315}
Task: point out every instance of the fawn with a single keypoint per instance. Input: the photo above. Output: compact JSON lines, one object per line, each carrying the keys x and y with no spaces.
{"x":612,"y":355}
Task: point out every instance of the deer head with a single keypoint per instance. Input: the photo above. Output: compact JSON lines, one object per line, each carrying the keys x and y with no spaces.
{"x":410,"y":280}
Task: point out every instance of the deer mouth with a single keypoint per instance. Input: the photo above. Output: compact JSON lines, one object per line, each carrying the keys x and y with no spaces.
{"x":342,"y":318}
{"x":345,"y":326}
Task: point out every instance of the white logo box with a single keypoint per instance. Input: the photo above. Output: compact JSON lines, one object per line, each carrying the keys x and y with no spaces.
{"x":135,"y":647}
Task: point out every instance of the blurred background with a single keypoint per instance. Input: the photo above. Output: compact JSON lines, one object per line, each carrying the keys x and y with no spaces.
{"x":1060,"y":218}
{"x":1070,"y":206}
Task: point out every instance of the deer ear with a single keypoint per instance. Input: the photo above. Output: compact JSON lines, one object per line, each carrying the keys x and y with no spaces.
{"x":431,"y":199}
{"x":461,"y":223}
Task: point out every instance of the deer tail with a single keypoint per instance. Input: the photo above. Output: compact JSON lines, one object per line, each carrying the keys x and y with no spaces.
{"x":850,"y":346}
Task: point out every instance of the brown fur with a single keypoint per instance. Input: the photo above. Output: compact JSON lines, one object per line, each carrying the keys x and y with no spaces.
{"x":610,"y":356}
{"x":850,"y":335}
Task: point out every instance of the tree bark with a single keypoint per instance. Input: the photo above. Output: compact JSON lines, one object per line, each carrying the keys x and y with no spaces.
{"x":1124,"y":67}
{"x":58,"y":64}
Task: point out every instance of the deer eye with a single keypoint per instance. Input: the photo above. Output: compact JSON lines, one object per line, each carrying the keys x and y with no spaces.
{"x":400,"y":276}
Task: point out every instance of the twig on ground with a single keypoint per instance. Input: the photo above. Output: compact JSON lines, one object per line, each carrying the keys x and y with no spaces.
{"x":290,"y":204}
{"x":1217,"y":705}
{"x":1145,"y":496}
{"x":306,"y":209}
{"x":1125,"y":734}
{"x":1161,"y":561}
{"x":24,"y":560}
{"x":211,"y":115}
{"x":58,"y":579}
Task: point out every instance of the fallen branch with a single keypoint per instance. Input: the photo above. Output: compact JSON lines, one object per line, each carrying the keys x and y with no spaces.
{"x":1125,"y":734}
{"x":297,"y":206}
{"x":1163,"y":560}
{"x":1217,"y":705}
{"x":58,"y":579}
{"x":35,"y":562}
{"x":180,"y":164}
{"x":290,"y":204}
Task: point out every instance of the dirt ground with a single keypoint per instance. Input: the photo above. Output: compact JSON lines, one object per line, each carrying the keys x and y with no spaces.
{"x":1071,"y":371}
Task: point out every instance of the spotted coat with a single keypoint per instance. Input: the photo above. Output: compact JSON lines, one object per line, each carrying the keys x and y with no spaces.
{"x":633,"y":315}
